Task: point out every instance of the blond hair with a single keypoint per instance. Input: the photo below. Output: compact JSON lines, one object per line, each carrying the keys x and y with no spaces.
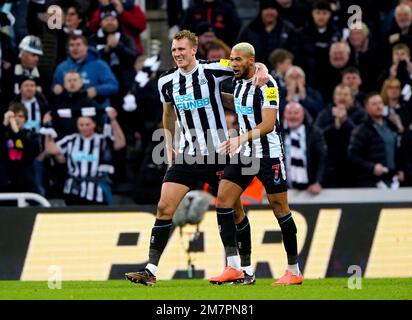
{"x":388,"y":82}
{"x":245,"y":47}
{"x":186,"y":34}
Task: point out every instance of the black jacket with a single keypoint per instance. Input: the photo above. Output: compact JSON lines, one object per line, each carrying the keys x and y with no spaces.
{"x":366,"y":148}
{"x":405,"y":159}
{"x":120,"y":59}
{"x":75,"y":102}
{"x":284,"y":35}
{"x":315,"y":49}
{"x":220,"y":14}
{"x":17,"y":152}
{"x":338,"y":168}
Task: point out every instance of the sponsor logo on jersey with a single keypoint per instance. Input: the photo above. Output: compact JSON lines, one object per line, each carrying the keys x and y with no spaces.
{"x":186,"y":102}
{"x":271,"y":94}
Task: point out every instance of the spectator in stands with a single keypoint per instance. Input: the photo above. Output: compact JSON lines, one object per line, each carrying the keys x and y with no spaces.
{"x":7,"y":56}
{"x":389,"y":19}
{"x":68,"y":105}
{"x":205,"y":35}
{"x":373,"y":148}
{"x":305,"y":150}
{"x":116,"y":49}
{"x":328,"y":79}
{"x":88,"y":156}
{"x":100,"y":82}
{"x":30,"y":51}
{"x":37,"y":106}
{"x":268,"y":32}
{"x":74,"y":23}
{"x":34,"y":101}
{"x":405,"y":160}
{"x":218,"y":50}
{"x":401,"y":31}
{"x":296,"y":12}
{"x":298,"y":91}
{"x":318,"y":36}
{"x":365,"y":56}
{"x":142,"y":106}
{"x":19,"y":147}
{"x":175,"y":13}
{"x":220,"y":14}
{"x":132,"y":19}
{"x":400,"y":67}
{"x":280,"y":60}
{"x":337,"y":124}
{"x":352,"y":78}
{"x":395,"y":110}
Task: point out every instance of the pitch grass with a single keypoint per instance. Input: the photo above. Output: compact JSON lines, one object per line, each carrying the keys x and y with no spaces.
{"x":330,"y":288}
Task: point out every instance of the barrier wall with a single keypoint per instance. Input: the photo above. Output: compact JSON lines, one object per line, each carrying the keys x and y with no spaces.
{"x":103,"y":243}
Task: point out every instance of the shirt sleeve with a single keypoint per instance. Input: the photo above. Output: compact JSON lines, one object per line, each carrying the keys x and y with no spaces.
{"x":270,"y":93}
{"x":220,"y":68}
{"x":163,"y":92}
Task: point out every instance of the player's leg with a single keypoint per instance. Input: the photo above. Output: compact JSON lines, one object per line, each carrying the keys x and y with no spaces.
{"x":170,"y":198}
{"x":228,"y":194}
{"x":243,"y":242}
{"x":273,"y":177}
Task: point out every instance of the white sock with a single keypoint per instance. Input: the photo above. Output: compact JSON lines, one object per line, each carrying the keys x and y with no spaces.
{"x":294,"y":268}
{"x":152,"y":268}
{"x":234,"y":262}
{"x":248,"y":270}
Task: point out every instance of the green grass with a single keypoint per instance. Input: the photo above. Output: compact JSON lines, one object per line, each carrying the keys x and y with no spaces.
{"x":330,"y":288}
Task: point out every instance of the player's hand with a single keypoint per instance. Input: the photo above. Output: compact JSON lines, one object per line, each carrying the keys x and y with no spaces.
{"x":261,"y":76}
{"x":379,"y":170}
{"x":230,"y":146}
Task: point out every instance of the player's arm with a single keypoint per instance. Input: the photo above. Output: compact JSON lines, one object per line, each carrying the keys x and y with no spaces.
{"x":169,"y":127}
{"x":269,"y":116}
{"x":228,"y":101}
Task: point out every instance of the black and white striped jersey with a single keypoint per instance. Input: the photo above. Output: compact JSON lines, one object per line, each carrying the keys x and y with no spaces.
{"x":89,"y":161}
{"x":34,"y":117}
{"x":198,"y":105}
{"x":249,"y":102}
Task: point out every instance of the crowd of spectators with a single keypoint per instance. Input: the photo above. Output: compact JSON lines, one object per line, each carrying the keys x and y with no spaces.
{"x":80,"y":102}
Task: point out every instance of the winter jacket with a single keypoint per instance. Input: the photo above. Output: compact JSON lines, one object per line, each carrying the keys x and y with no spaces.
{"x":132,"y":21}
{"x":282,"y":36}
{"x":366,"y":148}
{"x":17,"y":152}
{"x":95,"y":73}
{"x":75,"y":102}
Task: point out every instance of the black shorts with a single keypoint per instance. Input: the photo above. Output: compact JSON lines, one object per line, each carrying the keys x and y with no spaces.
{"x":270,"y":171}
{"x":193,"y":175}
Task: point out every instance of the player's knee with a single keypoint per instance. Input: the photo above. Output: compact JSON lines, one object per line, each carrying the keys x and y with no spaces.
{"x":280,"y":208}
{"x":164,"y":210}
{"x":223,"y":201}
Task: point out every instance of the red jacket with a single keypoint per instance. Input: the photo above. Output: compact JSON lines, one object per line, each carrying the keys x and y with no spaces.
{"x":133,"y":22}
